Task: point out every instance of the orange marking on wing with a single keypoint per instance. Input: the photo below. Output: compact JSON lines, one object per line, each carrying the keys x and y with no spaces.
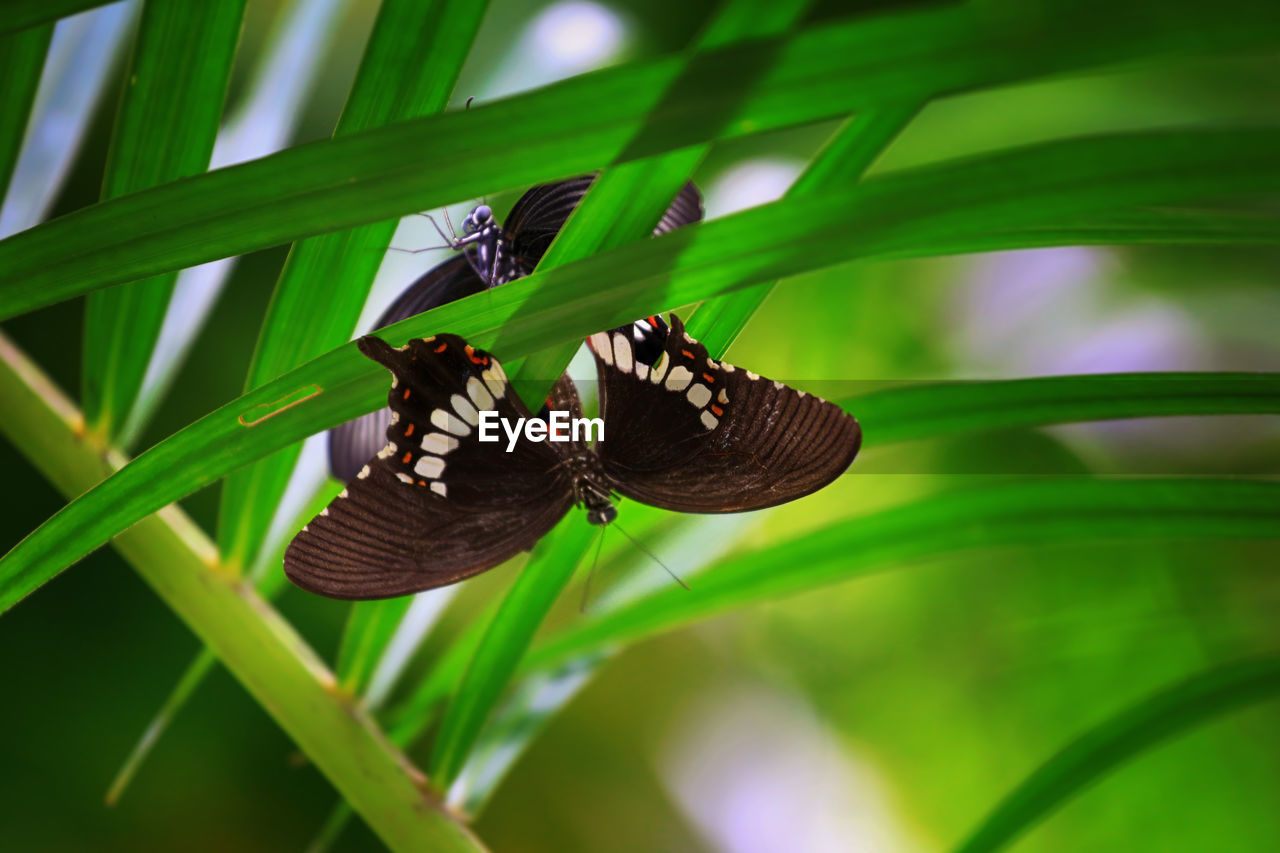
{"x":708,"y":377}
{"x":471,"y":354}
{"x":408,"y":431}
{"x":716,"y":410}
{"x":422,"y":482}
{"x":408,"y":457}
{"x":686,"y":353}
{"x":406,"y":393}
{"x":442,"y":348}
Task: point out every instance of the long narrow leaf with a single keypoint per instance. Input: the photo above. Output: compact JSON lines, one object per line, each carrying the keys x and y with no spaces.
{"x":932,"y":409}
{"x":502,"y":648}
{"x":22,"y":14}
{"x":21,"y":59}
{"x":367,"y":177}
{"x":1033,"y":512}
{"x":845,"y":158}
{"x":164,"y":131}
{"x":891,"y":214}
{"x":1107,"y":746}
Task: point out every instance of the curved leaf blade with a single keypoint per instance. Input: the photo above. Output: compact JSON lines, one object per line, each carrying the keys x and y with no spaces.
{"x":841,"y":68}
{"x":1105,"y":747}
{"x":165,"y":130}
{"x":1036,"y":512}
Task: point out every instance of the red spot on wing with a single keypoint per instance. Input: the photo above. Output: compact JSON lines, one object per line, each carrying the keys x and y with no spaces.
{"x":442,"y":348}
{"x":408,"y":431}
{"x":408,"y":457}
{"x":686,"y":353}
{"x":716,"y":410}
{"x":708,"y":377}
{"x":406,"y":393}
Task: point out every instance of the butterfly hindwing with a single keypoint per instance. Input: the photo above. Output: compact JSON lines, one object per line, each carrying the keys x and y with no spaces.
{"x":435,"y":505}
{"x":542,"y":211}
{"x":351,"y":444}
{"x":696,"y":435}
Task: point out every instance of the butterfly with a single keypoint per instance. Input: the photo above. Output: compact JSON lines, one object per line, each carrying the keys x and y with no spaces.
{"x":681,"y":431}
{"x":489,"y":255}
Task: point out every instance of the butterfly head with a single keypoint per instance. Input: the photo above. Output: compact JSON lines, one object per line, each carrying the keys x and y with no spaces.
{"x":480,"y":218}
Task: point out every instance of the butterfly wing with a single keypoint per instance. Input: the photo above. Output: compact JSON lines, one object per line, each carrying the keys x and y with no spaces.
{"x":538,"y":216}
{"x":695,"y":435}
{"x":436,"y":504}
{"x":351,"y":444}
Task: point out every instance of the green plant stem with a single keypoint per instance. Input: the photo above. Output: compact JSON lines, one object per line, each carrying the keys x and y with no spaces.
{"x":263,"y":651}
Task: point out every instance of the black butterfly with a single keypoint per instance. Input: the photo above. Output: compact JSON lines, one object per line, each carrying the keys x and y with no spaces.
{"x":681,"y":432}
{"x":489,"y":255}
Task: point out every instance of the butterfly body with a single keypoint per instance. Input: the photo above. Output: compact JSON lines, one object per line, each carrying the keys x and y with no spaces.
{"x":681,"y":431}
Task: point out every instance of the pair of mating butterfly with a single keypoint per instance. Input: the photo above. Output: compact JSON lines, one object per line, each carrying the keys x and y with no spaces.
{"x":435,"y":504}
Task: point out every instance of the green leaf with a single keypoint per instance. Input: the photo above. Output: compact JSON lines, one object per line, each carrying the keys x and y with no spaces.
{"x":410,"y":65}
{"x":1105,"y":747}
{"x":503,"y":645}
{"x":21,"y":61}
{"x":165,"y":129}
{"x":1036,"y":512}
{"x":844,"y":159}
{"x":932,"y":409}
{"x":368,"y":177}
{"x":907,"y":211}
{"x":369,"y":629}
{"x":20,"y":15}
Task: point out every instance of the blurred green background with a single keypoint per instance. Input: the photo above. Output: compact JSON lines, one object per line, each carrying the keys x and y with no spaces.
{"x":887,"y":713}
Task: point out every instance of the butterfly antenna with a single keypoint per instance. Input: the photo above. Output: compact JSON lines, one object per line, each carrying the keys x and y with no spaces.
{"x":586,"y":588}
{"x":652,"y":556}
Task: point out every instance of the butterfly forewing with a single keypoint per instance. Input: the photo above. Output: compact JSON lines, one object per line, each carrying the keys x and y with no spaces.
{"x":695,"y":435}
{"x":435,"y":505}
{"x":351,"y":444}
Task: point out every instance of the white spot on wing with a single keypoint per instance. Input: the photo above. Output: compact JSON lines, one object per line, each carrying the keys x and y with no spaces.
{"x":709,"y":420}
{"x":699,"y":395}
{"x":324,"y":511}
{"x":679,"y":378}
{"x":439,"y":488}
{"x":465,"y":410}
{"x":395,"y":417}
{"x":642,"y":370}
{"x":446,"y":421}
{"x":403,"y":477}
{"x":722,"y":397}
{"x":438,"y":443}
{"x":497,"y":386}
{"x":601,"y":346}
{"x":727,"y":367}
{"x":478,"y":394}
{"x":752,"y":376}
{"x":429,"y":466}
{"x":342,"y":494}
{"x":364,"y":472}
{"x":621,"y":352}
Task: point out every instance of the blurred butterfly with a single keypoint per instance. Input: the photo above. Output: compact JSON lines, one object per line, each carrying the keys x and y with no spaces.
{"x":681,"y":431}
{"x":489,"y":255}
